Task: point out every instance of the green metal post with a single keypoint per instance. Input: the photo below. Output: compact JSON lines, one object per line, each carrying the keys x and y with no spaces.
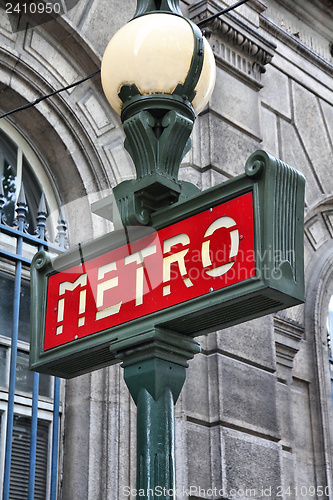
{"x":155,"y":374}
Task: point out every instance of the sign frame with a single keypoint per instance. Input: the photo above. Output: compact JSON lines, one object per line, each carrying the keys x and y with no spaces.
{"x":278,"y":216}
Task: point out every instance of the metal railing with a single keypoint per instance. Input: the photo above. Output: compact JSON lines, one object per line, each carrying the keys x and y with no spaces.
{"x":16,"y":253}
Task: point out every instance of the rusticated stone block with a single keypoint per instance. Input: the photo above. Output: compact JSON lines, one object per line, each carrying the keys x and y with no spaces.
{"x":253,"y":467}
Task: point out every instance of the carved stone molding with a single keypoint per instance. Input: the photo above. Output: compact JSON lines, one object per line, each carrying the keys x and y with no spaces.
{"x":328,"y":218}
{"x":319,"y":228}
{"x":237,"y":47}
{"x":297,"y":45}
{"x":287,"y":338}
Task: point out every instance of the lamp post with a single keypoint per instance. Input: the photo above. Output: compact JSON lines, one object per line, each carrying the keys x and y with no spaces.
{"x":157,"y":72}
{"x":126,"y":304}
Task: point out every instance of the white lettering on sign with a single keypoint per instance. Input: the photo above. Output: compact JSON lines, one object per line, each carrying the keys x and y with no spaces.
{"x":226,"y":222}
{"x":103,"y":287}
{"x":181,"y":262}
{"x":67,"y":285}
{"x":138,"y":257}
{"x":179,"y":257}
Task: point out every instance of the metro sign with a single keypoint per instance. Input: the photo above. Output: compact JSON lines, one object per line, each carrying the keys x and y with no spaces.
{"x":196,"y":256}
{"x":233,"y":253}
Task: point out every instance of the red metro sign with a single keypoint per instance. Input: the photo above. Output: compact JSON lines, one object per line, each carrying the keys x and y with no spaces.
{"x":196,"y":256}
{"x":232,"y":253}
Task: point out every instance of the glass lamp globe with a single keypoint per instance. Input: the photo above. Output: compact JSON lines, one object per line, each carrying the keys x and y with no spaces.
{"x":154,"y":52}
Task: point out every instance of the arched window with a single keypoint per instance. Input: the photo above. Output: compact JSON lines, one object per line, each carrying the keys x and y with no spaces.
{"x":19,"y":165}
{"x":29,"y":403}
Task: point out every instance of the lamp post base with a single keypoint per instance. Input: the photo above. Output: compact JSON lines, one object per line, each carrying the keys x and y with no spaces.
{"x":155,"y":374}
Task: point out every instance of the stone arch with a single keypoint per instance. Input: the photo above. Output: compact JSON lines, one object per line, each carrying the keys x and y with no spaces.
{"x":79,"y":142}
{"x":319,"y":289}
{"x":75,"y":134}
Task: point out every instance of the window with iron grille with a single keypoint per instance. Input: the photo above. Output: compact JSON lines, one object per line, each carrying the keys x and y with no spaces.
{"x":29,"y":402}
{"x":19,"y":483}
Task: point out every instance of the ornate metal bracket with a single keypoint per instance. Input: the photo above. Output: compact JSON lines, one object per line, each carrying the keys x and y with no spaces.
{"x":157,"y":129}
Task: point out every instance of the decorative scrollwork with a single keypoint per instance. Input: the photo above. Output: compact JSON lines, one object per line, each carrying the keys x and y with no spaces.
{"x":41,"y":259}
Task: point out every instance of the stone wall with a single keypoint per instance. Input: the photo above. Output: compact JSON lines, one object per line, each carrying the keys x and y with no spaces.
{"x":255,"y":416}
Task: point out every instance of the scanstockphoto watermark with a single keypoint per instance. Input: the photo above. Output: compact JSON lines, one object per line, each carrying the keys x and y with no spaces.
{"x":197,"y":491}
{"x":162,"y":492}
{"x":34,"y":12}
{"x":304,"y":491}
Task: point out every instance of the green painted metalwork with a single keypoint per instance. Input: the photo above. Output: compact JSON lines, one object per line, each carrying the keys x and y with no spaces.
{"x":149,"y":6}
{"x":155,"y":374}
{"x":155,"y":348}
{"x":278,"y":194}
{"x":158,"y":128}
{"x":161,"y":125}
{"x":164,"y":141}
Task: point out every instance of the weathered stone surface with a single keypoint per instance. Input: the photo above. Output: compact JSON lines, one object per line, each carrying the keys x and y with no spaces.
{"x":252,"y":466}
{"x":93,"y":23}
{"x":288,"y":474}
{"x":328,"y":117}
{"x":269,"y":132}
{"x":313,"y":133}
{"x":198,"y":446}
{"x":230,"y":148}
{"x":247,"y":397}
{"x":284,"y":416}
{"x":276,"y":95}
{"x":197,"y":395}
{"x":237,"y":103}
{"x":251,"y":342}
{"x":303,"y":445}
{"x":316,"y":231}
{"x":76,"y":443}
{"x":237,"y":427}
{"x":293,"y":153}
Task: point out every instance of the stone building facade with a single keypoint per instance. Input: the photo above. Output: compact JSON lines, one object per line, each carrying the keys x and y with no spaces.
{"x":255,"y":417}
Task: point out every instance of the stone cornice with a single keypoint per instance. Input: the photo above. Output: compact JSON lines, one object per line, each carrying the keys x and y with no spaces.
{"x":314,"y":13}
{"x":288,"y":335}
{"x":288,"y":329}
{"x":238,"y":47}
{"x":297,"y":45}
